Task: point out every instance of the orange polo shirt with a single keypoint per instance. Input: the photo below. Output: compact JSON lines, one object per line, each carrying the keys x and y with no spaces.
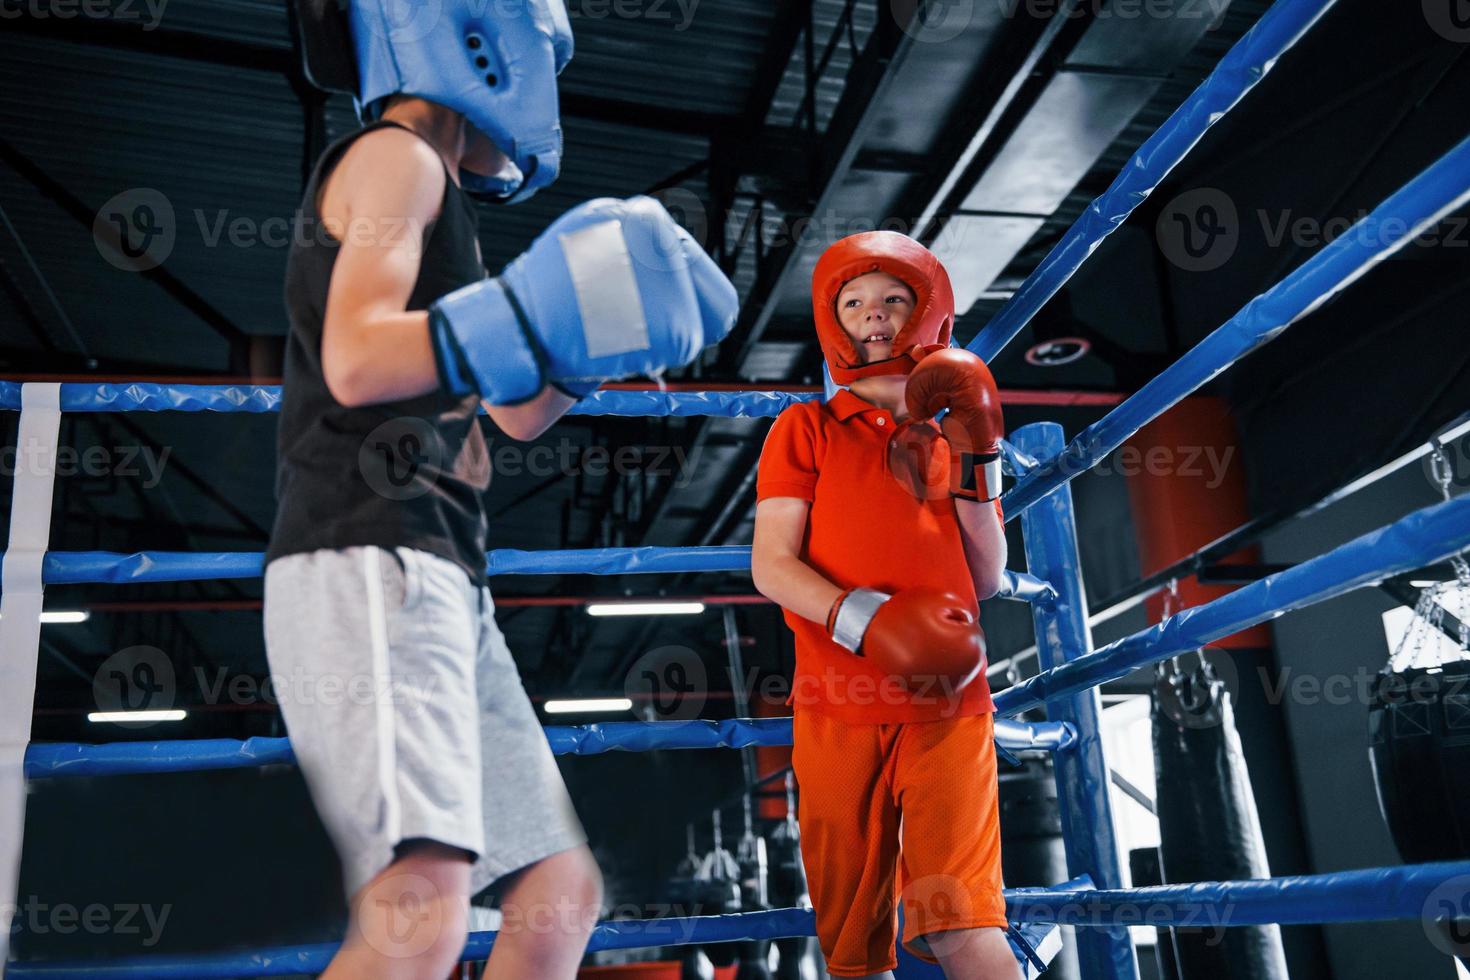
{"x":864,"y":530}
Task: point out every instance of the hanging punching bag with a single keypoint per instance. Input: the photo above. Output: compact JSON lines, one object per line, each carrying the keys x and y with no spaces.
{"x":1419,"y":744}
{"x":694,"y":965}
{"x":687,"y":897}
{"x":1207,"y":819}
{"x":1144,"y":870}
{"x":1032,"y":852}
{"x":753,"y":960}
{"x":800,"y":957}
{"x":718,"y":882}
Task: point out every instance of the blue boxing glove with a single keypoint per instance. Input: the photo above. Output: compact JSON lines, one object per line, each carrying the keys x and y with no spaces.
{"x":613,"y":288}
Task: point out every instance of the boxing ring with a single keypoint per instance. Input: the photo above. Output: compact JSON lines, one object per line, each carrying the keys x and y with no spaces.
{"x":1043,"y":463}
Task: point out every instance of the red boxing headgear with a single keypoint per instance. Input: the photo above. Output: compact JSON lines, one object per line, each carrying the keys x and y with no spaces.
{"x":900,"y":256}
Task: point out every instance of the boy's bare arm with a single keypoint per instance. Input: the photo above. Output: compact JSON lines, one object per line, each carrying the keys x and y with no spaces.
{"x":985,"y":544}
{"x":378,"y":203}
{"x":529,"y":419}
{"x":776,"y":566}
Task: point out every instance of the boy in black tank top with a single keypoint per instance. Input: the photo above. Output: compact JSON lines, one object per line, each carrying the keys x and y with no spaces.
{"x":424,"y":756}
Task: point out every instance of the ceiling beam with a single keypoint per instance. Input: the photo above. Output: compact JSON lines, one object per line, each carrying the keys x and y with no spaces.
{"x":133,"y":35}
{"x":887,"y":47}
{"x":664,"y":119}
{"x":791,"y":20}
{"x":281,"y":59}
{"x":74,"y":208}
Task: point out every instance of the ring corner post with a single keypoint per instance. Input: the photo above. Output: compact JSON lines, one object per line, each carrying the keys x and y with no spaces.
{"x":1062,"y":635}
{"x":22,"y":578}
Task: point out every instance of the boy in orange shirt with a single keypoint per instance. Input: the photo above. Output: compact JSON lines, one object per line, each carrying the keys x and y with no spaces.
{"x":878,"y":552}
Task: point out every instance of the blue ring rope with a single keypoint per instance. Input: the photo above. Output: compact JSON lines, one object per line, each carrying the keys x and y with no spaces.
{"x":47,"y":760}
{"x":141,"y":396}
{"x":116,"y":568}
{"x":1422,"y":538}
{"x":1365,"y":895}
{"x":1438,"y":190}
{"x":1242,"y":68}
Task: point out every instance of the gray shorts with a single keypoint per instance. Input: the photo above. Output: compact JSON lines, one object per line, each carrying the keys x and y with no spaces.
{"x":407,"y":714}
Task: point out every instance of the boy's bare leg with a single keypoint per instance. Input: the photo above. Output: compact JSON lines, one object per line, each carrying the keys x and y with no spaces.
{"x":411,"y":920}
{"x":548,"y":913}
{"x":975,"y":954}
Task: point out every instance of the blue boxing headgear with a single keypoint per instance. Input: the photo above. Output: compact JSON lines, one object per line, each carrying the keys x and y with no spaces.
{"x":493,"y":61}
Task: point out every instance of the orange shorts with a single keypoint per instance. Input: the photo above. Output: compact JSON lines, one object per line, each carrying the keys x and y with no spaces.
{"x":898,"y":812}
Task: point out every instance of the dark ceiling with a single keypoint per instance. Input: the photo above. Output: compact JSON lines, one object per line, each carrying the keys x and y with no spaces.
{"x":714,"y":112}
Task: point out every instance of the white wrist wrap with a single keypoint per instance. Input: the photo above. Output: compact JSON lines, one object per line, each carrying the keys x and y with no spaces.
{"x":854,"y":615}
{"x":992,"y":477}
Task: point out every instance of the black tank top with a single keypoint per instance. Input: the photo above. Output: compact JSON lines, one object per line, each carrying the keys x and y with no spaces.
{"x":397,"y":473}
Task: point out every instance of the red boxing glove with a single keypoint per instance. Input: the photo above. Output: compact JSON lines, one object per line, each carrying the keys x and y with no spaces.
{"x":955,"y":379}
{"x":918,"y":635}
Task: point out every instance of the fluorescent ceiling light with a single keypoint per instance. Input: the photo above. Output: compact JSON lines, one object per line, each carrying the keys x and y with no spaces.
{"x":133,"y":717}
{"x":66,"y":616}
{"x":644,"y":608}
{"x":571,"y":706}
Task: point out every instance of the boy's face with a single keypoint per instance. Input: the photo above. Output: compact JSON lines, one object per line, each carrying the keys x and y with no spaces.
{"x":872,"y":309}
